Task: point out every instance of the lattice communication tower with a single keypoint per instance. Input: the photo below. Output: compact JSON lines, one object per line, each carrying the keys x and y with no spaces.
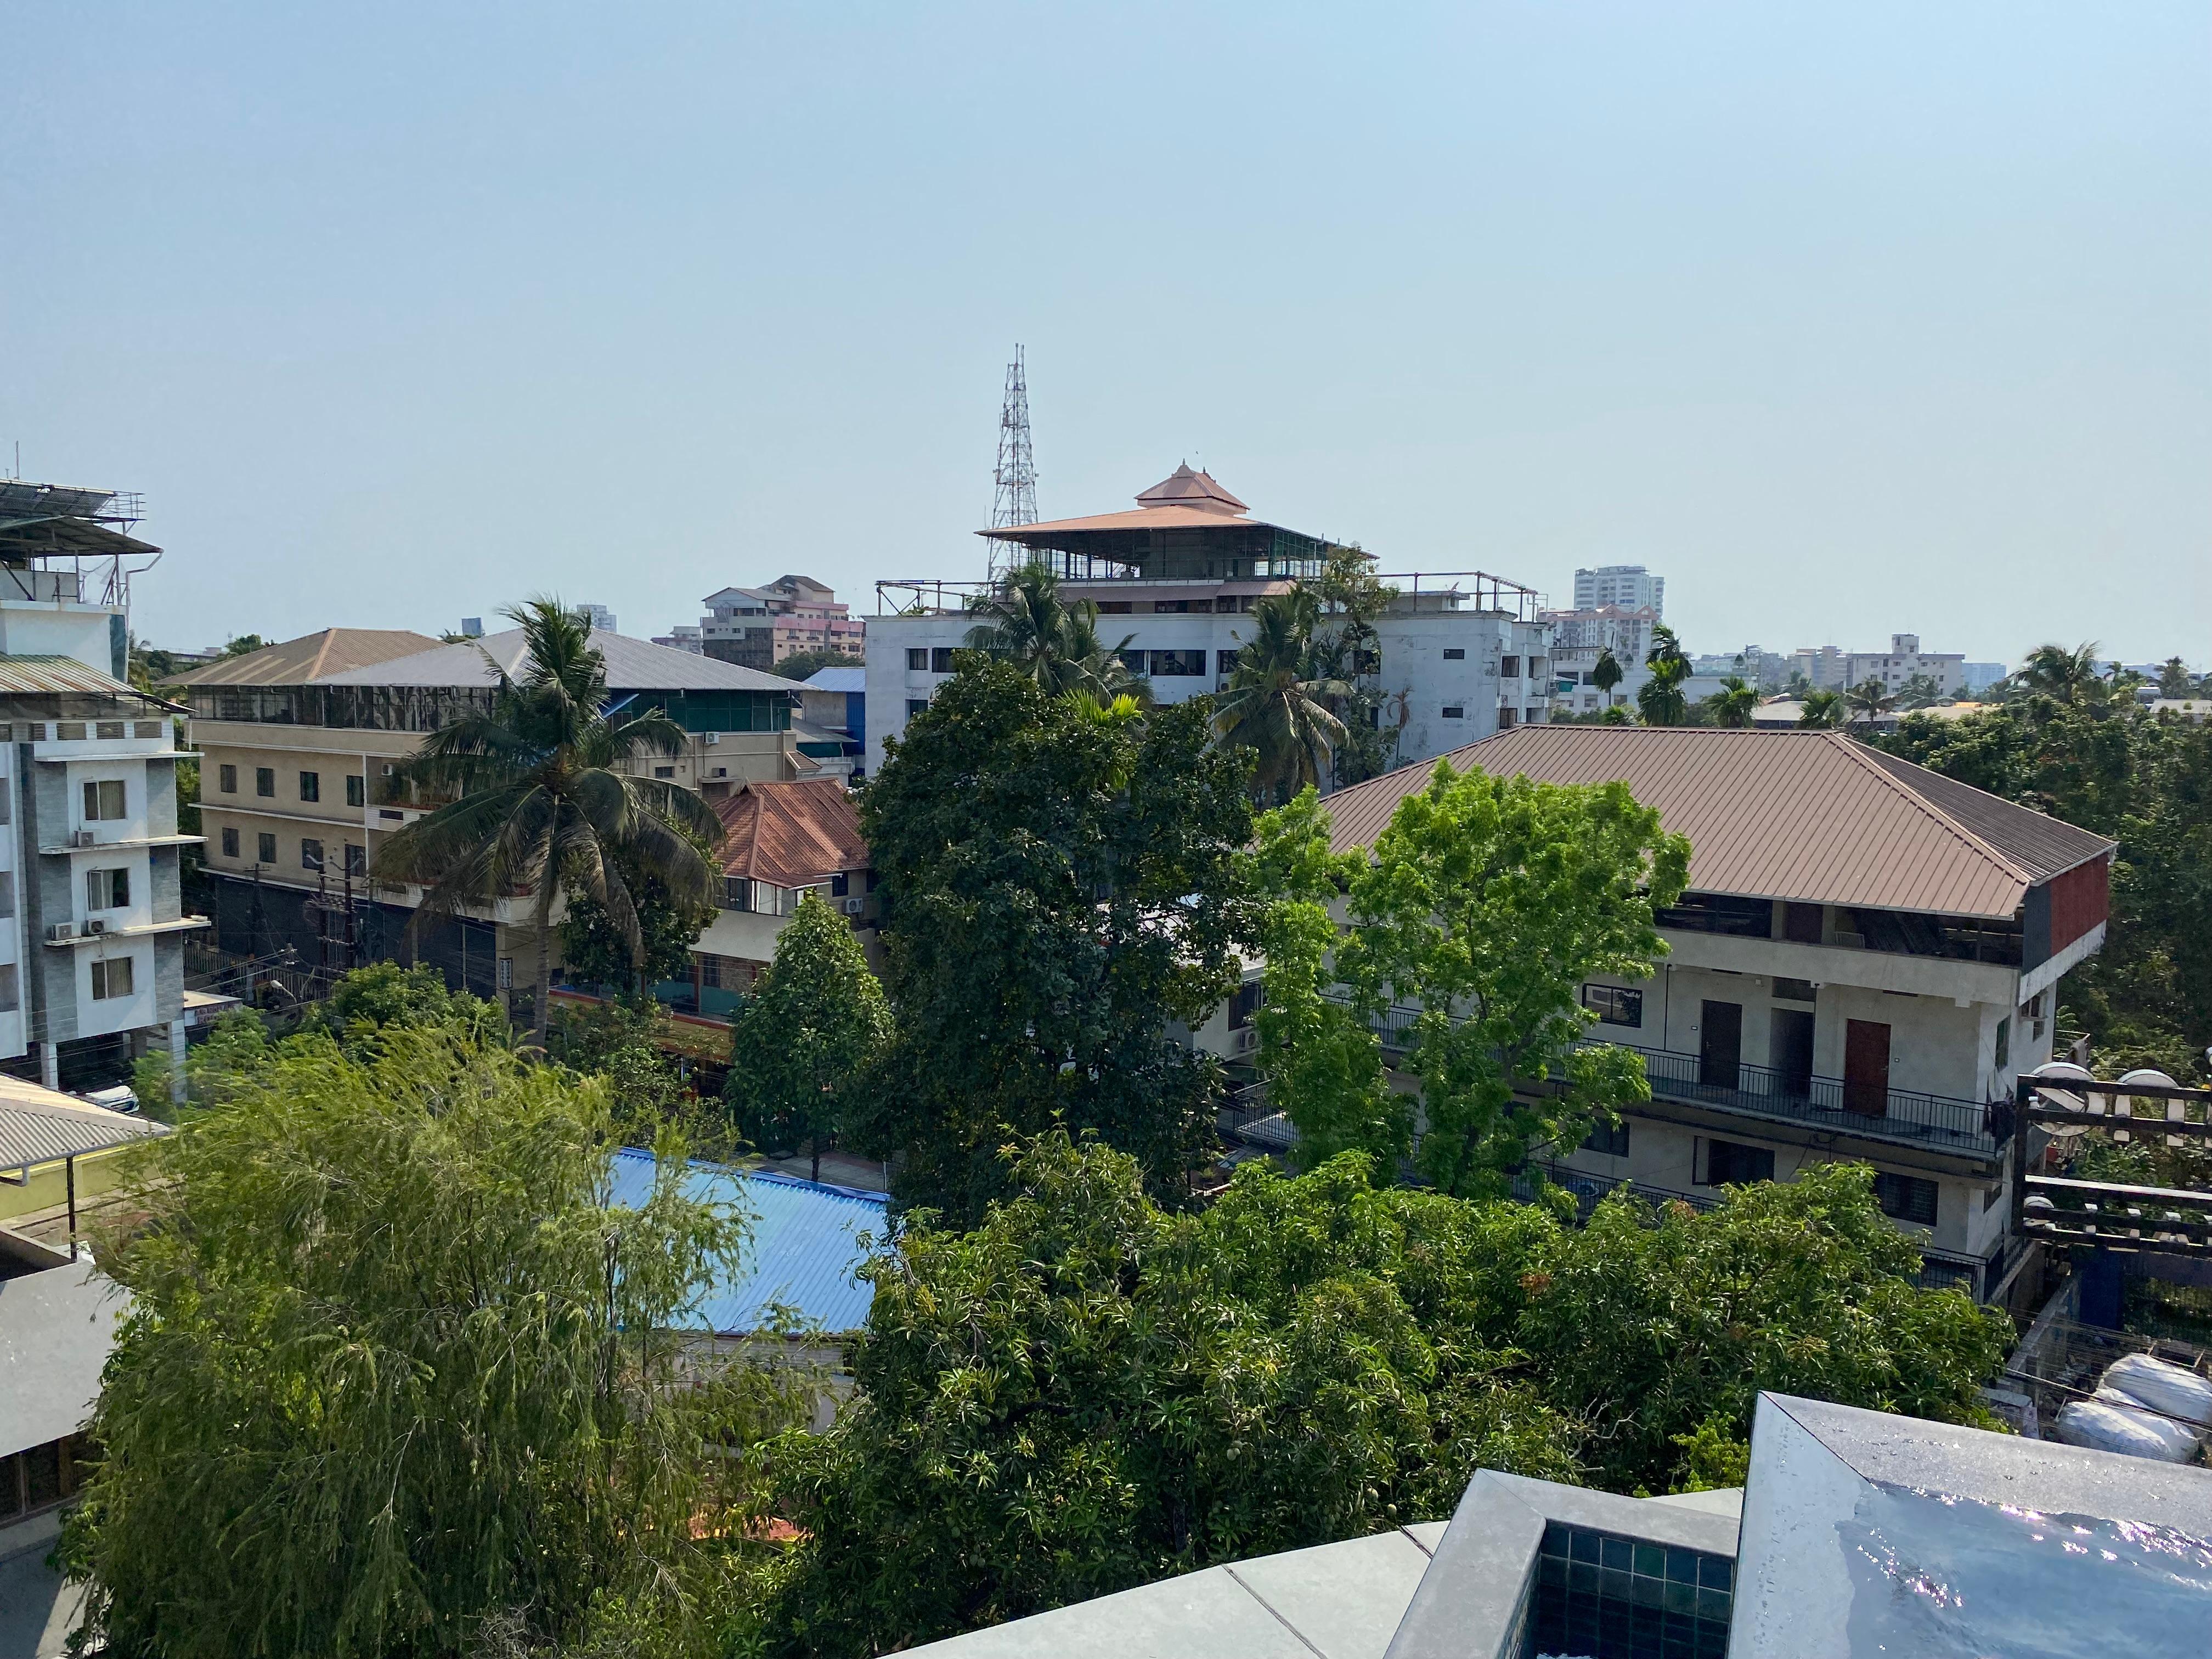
{"x":1014,"y":500}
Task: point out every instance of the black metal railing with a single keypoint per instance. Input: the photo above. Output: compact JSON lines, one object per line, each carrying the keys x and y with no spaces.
{"x":1590,"y":1190}
{"x":1938,"y":1122}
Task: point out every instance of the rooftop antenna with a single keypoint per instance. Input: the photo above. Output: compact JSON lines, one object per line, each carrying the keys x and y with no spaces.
{"x":1013,"y":499}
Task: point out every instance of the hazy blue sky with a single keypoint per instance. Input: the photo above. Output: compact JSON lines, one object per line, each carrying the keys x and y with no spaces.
{"x":1848,"y":318}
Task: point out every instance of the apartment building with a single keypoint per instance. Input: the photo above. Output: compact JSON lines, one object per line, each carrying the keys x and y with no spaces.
{"x":1868,"y":956}
{"x":1903,"y":662}
{"x":300,"y":744}
{"x":759,"y":626}
{"x":92,"y":921}
{"x":1460,"y":654}
{"x":1628,"y":586}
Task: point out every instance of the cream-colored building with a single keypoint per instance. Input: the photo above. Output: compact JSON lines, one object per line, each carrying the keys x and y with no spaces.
{"x":300,"y":746}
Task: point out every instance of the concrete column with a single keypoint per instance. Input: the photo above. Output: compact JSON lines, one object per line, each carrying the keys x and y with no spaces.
{"x":50,"y":1067}
{"x":176,"y":1060}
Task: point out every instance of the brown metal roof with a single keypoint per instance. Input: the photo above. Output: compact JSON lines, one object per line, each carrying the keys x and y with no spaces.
{"x":1811,"y":816}
{"x":1137,"y":518}
{"x":1184,"y":485}
{"x":790,"y":835}
{"x":297,"y":662}
{"x":65,"y":677}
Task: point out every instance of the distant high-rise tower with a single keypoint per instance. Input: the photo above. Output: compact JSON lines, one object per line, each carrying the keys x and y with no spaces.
{"x":1014,"y":501}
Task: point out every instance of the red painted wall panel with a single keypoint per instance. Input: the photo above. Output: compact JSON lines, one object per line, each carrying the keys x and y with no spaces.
{"x":2080,"y":899}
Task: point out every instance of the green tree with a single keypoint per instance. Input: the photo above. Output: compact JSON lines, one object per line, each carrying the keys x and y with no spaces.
{"x":596,"y":952}
{"x":245,"y":645}
{"x":1822,"y":710}
{"x":1920,"y":691}
{"x":1350,"y":600}
{"x":805,"y":664}
{"x":1488,"y":902}
{"x":1868,"y":702}
{"x":1606,"y":674}
{"x":809,"y":1037}
{"x":1026,"y":623}
{"x":1277,"y":705}
{"x":1086,"y":1392}
{"x":2174,"y":679}
{"x":540,"y":794}
{"x":1661,"y":700}
{"x":1061,"y":883}
{"x":391,"y":1367}
{"x":2054,"y":670}
{"x":1734,"y":704}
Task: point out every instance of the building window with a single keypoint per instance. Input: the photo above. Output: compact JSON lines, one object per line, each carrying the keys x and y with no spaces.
{"x":1906,"y":1198}
{"x":710,"y":972}
{"x":1614,"y":1004}
{"x":356,"y":789}
{"x":229,"y":775}
{"x":103,"y":800}
{"x":1173,"y":664}
{"x":1510,"y":668}
{"x":7,"y":799}
{"x":6,"y":893}
{"x":503,"y":976}
{"x":69,"y":731}
{"x":917,"y":659}
{"x":311,"y":785}
{"x":1454,"y":711}
{"x":664,"y":771}
{"x":1245,"y":1003}
{"x":1611,"y":1143}
{"x":1801,"y":923}
{"x":1507,"y":717}
{"x":230,"y":843}
{"x":111,"y":980}
{"x":940,"y":659}
{"x":916,"y":705}
{"x":1795,"y":990}
{"x":1731,"y":1163}
{"x":1454,"y":653}
{"x":2004,"y":1043}
{"x":264,"y":781}
{"x":264,"y":848}
{"x":1224,"y":663}
{"x":9,"y":1000}
{"x":356,"y":859}
{"x":311,"y":854}
{"x":106,"y":889}
{"x":840,"y":885}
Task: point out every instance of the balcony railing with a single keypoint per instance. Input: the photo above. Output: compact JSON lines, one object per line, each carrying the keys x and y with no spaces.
{"x":1934,"y":1122}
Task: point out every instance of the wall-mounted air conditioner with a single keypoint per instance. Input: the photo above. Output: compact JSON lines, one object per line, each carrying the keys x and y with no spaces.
{"x":95,"y":926}
{"x":56,"y":930}
{"x":1244,"y":1040}
{"x":81,"y":838}
{"x":854,"y":906}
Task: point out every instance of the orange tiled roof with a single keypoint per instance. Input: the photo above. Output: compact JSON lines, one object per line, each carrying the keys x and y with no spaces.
{"x":790,"y":835}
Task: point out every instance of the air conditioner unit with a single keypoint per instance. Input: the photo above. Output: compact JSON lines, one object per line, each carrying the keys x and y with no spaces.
{"x":81,"y":838}
{"x":95,"y":926}
{"x":56,"y":930}
{"x":1245,"y":1040}
{"x":854,"y":906}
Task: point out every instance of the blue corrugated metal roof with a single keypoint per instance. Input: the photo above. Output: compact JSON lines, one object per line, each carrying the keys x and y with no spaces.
{"x":838,"y":679}
{"x":802,"y":1249}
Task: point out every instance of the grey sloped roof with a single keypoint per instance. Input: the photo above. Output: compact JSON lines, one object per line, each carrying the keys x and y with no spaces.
{"x":632,"y":666}
{"x":40,"y":1125}
{"x":56,"y":1329}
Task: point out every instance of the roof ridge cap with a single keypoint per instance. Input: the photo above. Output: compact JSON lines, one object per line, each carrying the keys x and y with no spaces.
{"x":1852,"y":747}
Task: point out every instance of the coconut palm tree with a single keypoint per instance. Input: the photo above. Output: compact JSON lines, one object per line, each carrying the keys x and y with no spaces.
{"x":1823,"y":710}
{"x":1275,"y":705}
{"x":1027,"y":624}
{"x":1605,"y":674}
{"x":540,"y":793}
{"x":1868,"y":701}
{"x":1735,"y":704}
{"x":2070,"y":676}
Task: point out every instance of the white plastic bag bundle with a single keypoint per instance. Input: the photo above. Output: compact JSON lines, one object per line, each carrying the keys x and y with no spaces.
{"x":2175,"y":1389}
{"x":2116,"y":1422}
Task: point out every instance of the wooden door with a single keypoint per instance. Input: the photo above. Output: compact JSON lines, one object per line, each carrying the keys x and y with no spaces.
{"x":1720,"y":1045}
{"x":1866,"y":1067}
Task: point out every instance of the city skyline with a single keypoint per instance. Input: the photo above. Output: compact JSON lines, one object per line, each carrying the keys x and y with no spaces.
{"x":1847,"y":324}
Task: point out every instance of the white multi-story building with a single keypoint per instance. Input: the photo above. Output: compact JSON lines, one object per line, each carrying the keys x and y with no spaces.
{"x":91,"y":912}
{"x":1459,"y":655}
{"x":598,"y":616}
{"x":1905,"y":661}
{"x":1626,"y":633}
{"x":1631,"y":586}
{"x":1867,"y":959}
